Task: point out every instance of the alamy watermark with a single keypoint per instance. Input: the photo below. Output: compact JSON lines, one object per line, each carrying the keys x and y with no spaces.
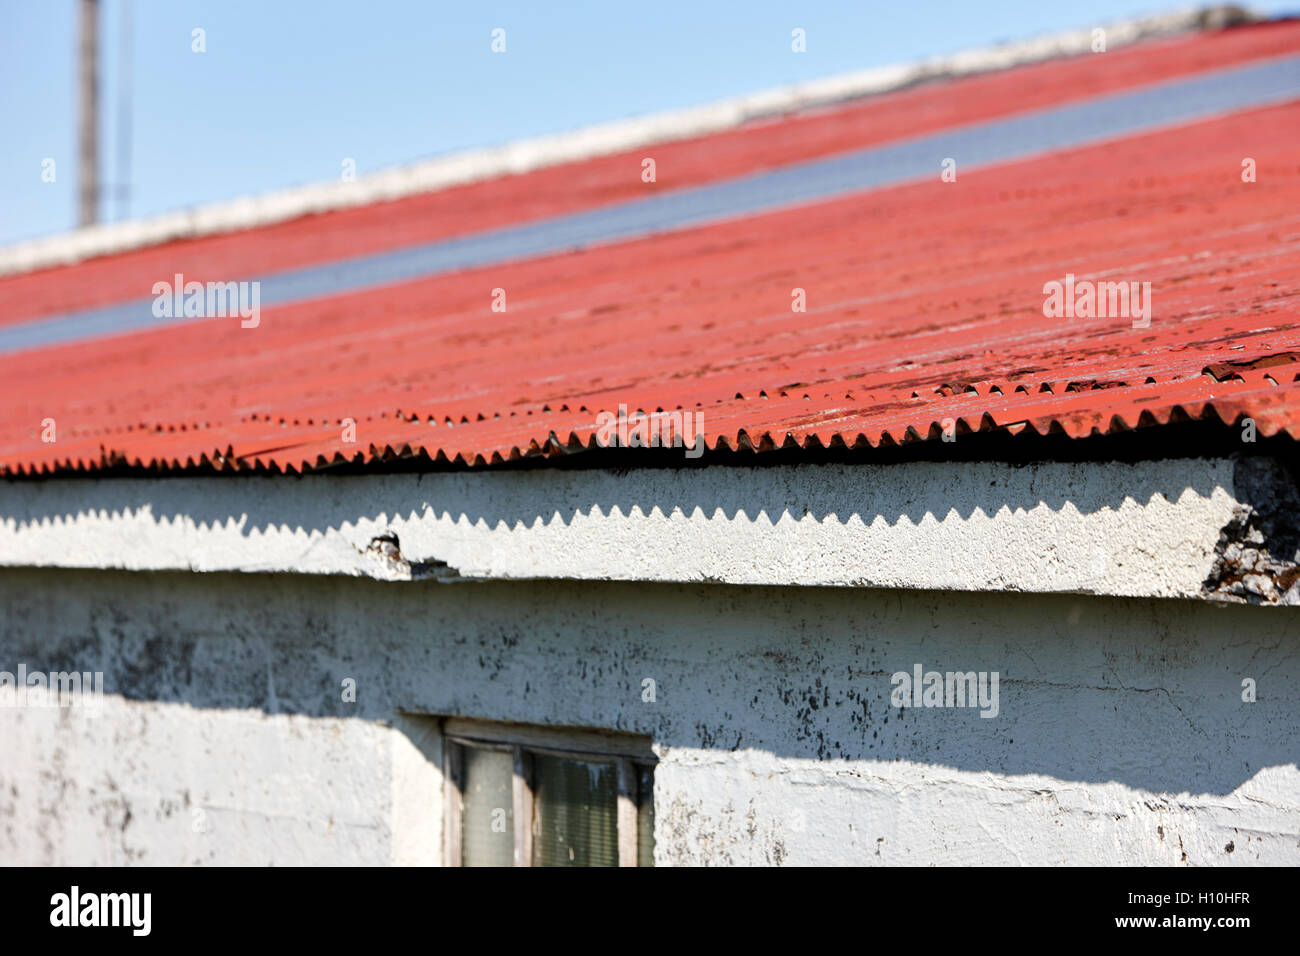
{"x":211,"y":300}
{"x":1085,"y":299}
{"x":130,"y":910}
{"x":923,"y":688}
{"x":675,"y":429}
{"x":83,"y":691}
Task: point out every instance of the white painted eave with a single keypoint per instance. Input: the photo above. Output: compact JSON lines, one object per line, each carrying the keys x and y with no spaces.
{"x":1149,"y":529}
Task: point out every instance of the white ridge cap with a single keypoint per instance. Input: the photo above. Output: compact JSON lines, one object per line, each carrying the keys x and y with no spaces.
{"x":599,"y":140}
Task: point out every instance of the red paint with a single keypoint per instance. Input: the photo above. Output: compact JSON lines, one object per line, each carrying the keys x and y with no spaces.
{"x":753,"y":147}
{"x":910,"y":289}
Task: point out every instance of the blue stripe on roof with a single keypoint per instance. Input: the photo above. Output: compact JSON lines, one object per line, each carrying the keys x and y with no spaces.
{"x":979,"y":144}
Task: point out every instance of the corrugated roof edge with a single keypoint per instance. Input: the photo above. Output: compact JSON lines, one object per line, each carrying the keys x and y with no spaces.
{"x":603,"y":139}
{"x":548,"y":445}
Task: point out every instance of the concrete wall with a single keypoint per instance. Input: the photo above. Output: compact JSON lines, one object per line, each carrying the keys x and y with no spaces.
{"x":1121,"y":736}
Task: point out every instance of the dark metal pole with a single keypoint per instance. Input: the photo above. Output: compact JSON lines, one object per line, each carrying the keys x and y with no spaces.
{"x":125,"y":54}
{"x":88,"y":119}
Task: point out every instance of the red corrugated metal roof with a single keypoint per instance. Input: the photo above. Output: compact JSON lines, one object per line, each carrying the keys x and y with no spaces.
{"x":924,"y":298}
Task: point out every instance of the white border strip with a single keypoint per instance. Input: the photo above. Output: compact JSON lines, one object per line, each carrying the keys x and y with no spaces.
{"x":599,"y":140}
{"x":1150,"y":529}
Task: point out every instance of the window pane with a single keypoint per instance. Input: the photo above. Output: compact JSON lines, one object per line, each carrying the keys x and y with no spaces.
{"x":487,"y":822}
{"x":576,"y":808}
{"x":645,"y":816}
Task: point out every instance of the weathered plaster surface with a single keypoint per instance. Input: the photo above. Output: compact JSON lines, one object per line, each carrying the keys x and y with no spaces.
{"x":1148,"y":529}
{"x":1121,"y":735}
{"x":162,"y":782}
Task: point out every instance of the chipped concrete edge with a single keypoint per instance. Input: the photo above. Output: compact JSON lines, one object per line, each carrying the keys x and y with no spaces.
{"x":1216,"y":529}
{"x":598,"y":140}
{"x":1257,"y":557}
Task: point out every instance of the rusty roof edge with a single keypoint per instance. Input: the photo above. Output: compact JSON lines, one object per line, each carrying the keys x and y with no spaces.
{"x":589,"y":142}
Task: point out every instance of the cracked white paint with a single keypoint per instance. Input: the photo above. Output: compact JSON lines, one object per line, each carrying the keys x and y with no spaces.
{"x":752,"y":809}
{"x":1145,"y":529}
{"x":1121,"y":737}
{"x":151,"y":783}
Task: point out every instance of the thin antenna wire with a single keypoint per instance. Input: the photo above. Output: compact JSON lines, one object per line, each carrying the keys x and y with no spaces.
{"x":124,"y":66}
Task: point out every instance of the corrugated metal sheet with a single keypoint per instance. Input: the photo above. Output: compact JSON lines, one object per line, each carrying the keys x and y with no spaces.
{"x":925,"y":298}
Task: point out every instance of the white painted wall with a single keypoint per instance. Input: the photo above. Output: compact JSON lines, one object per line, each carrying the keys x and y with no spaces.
{"x":153,"y":783}
{"x":1121,"y":738}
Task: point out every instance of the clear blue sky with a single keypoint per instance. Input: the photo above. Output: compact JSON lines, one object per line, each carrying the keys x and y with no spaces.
{"x":286,"y":90}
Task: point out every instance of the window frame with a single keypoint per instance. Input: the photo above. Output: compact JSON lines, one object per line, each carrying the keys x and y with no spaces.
{"x":626,"y":751}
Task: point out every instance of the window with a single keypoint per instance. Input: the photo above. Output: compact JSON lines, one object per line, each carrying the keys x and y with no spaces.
{"x":533,"y":796}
